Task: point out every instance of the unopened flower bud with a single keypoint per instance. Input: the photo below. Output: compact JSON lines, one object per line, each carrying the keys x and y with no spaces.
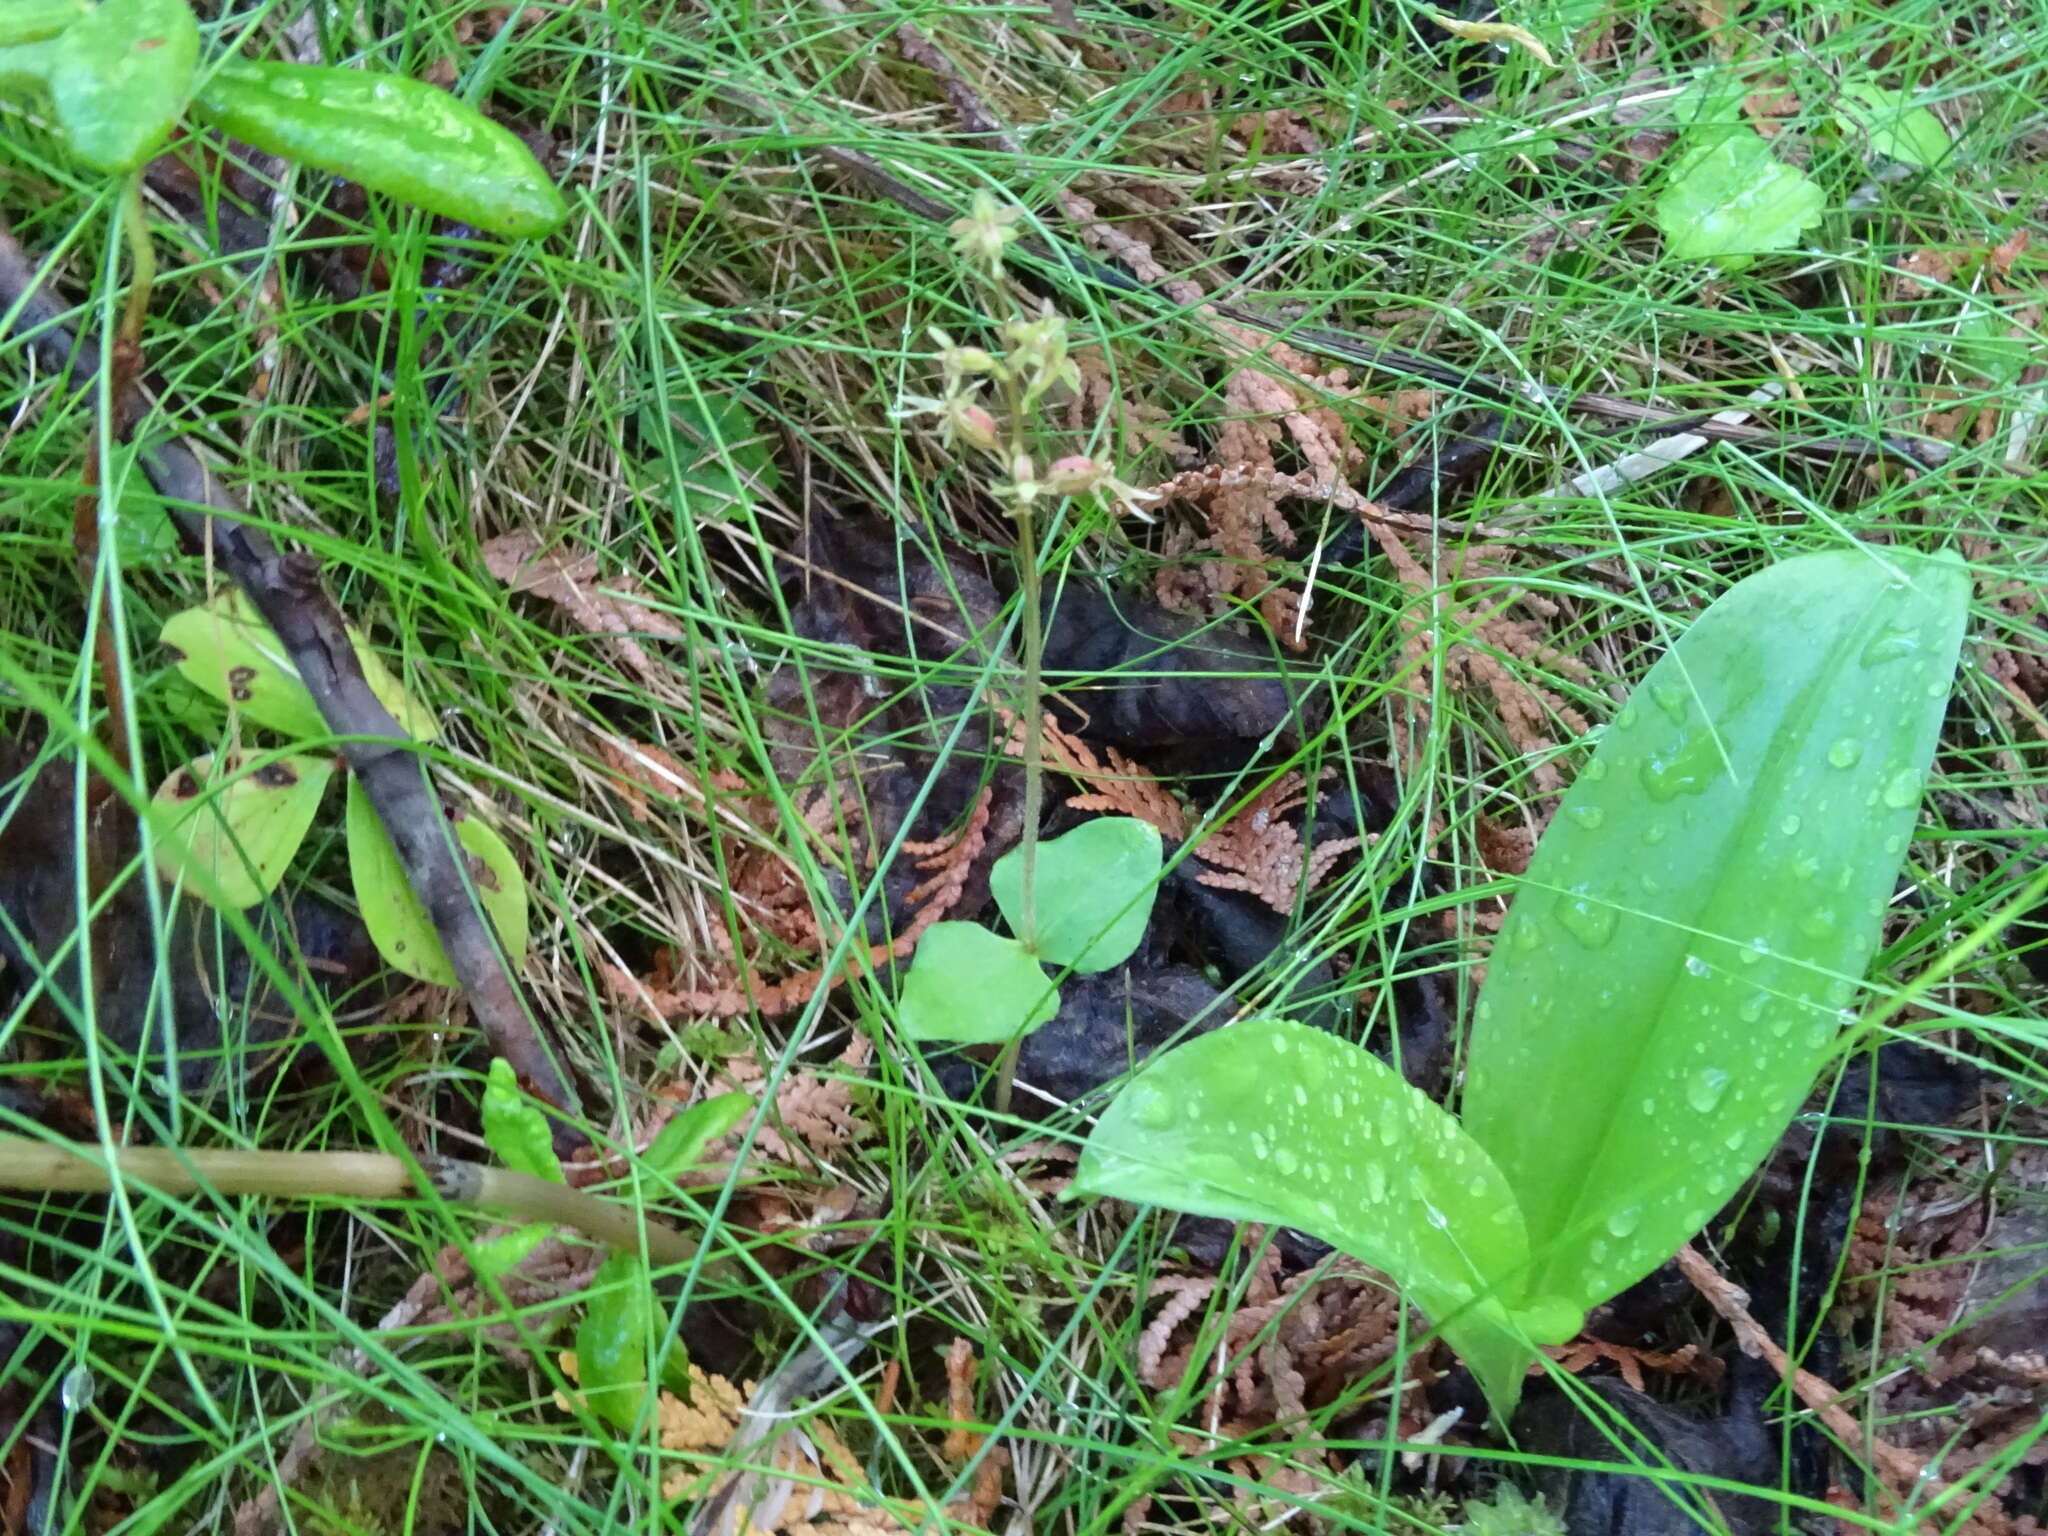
{"x":974,"y":427}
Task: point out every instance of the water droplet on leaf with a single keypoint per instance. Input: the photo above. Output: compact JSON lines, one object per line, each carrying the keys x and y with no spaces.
{"x":1847,"y":752}
{"x":1902,"y":789}
{"x":1706,"y":1088}
{"x":1588,"y":816}
{"x":1587,"y":919}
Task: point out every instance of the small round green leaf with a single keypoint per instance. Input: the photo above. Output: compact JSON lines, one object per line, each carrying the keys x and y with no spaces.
{"x":1095,"y":891}
{"x":398,"y":924}
{"x":970,"y":985}
{"x":1893,"y":127}
{"x":119,"y":77}
{"x":225,"y":648}
{"x":231,"y":828}
{"x":1730,"y":197}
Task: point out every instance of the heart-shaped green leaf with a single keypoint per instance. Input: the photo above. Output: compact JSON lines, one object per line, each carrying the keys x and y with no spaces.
{"x":398,"y":924}
{"x":1893,"y":127}
{"x":234,"y":831}
{"x":224,"y":648}
{"x":970,"y":985}
{"x":1704,"y":903}
{"x":119,"y":76}
{"x":1275,"y":1122}
{"x":1729,"y":197}
{"x":1095,"y":891}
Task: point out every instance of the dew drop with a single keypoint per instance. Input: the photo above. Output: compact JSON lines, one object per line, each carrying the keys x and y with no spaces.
{"x":77,"y":1391}
{"x":1938,"y":689}
{"x":1695,"y":966}
{"x":1261,"y":1148}
{"x":1818,"y":924}
{"x":1734,"y":1141}
{"x":1655,"y":833}
{"x":1789,"y":825}
{"x":1478,"y":1185}
{"x":1890,"y":647}
{"x":1596,"y":770}
{"x":1902,"y":789}
{"x":1280,"y":1044}
{"x":1806,"y":866}
{"x":1627,"y":717}
{"x":1673,"y":699}
{"x":1706,"y":1088}
{"x":1587,"y":816}
{"x":1587,"y":919}
{"x":1650,"y":1107}
{"x":1684,"y":767}
{"x":1301,"y":1095}
{"x":1153,"y":1111}
{"x":1625,"y":1220}
{"x":1288,"y":1162}
{"x":1597,"y":1250}
{"x":1751,"y":1011}
{"x":1847,"y":752}
{"x":1753,"y":951}
{"x":1375,"y":1182}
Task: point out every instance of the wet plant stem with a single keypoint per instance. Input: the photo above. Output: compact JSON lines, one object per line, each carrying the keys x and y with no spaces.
{"x":1033,"y":741}
{"x":85,"y":510}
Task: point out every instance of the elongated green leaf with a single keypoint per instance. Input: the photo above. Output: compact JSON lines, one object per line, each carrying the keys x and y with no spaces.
{"x":1095,"y":890}
{"x":391,"y":134}
{"x":1701,"y":908}
{"x":119,"y":77}
{"x":612,"y":1340}
{"x":971,"y":985}
{"x":514,"y":1127}
{"x":680,"y":1143}
{"x":398,"y":924}
{"x":1275,"y":1122}
{"x":233,"y":829}
{"x":226,"y":649}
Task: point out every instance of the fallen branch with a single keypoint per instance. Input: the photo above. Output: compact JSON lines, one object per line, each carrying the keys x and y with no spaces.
{"x":287,"y":591}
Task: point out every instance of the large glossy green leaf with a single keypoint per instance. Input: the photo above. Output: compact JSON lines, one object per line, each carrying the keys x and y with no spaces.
{"x":232,"y":826}
{"x":1095,"y":887}
{"x":1275,"y":1122}
{"x":1703,"y":905}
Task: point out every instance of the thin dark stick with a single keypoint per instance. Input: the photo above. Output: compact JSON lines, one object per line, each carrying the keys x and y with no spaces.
{"x":287,"y":591}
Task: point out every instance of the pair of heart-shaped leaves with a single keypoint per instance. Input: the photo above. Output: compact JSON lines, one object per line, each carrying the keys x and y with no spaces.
{"x":121,"y":73}
{"x":617,"y":1335}
{"x":231,"y":823}
{"x":1092,"y":897}
{"x":1670,"y":978}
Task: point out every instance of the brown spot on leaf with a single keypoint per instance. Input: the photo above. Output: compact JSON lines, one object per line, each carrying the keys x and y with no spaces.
{"x":184,"y":786}
{"x":239,"y":681}
{"x":277,"y":776}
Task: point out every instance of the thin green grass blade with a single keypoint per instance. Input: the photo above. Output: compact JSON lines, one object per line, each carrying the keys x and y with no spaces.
{"x":1703,"y":905}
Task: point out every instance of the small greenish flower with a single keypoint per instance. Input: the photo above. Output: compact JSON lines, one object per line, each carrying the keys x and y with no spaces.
{"x":960,"y":363}
{"x":961,"y":419}
{"x":1077,"y":475}
{"x":1023,"y":489}
{"x":1038,"y":354}
{"x":984,"y":234}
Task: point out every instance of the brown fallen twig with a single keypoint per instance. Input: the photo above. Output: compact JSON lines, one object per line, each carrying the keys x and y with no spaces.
{"x":287,"y":590}
{"x":1902,"y":1474}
